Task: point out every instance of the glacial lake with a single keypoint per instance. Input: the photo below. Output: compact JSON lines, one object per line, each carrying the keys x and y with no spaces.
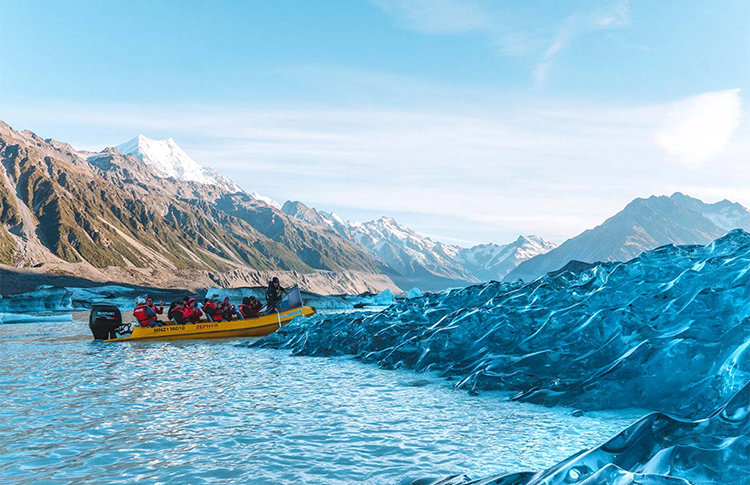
{"x":216,"y":411}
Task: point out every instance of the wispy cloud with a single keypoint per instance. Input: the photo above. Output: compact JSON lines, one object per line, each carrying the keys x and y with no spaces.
{"x":510,"y":165}
{"x":541,"y":72}
{"x":696,"y":130}
{"x":617,"y":16}
{"x":511,"y":33}
{"x":575,"y":25}
{"x":441,"y":17}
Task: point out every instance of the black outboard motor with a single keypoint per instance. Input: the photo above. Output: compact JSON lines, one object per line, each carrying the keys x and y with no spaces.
{"x":104,"y":321}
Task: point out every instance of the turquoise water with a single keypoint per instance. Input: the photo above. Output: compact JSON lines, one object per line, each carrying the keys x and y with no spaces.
{"x":77,"y":411}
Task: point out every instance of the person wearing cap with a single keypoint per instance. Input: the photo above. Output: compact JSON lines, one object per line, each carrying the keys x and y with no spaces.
{"x":274,"y":292}
{"x":192,"y":312}
{"x":148,"y":314}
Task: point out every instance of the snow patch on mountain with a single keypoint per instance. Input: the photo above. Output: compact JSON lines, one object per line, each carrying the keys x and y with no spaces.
{"x":494,"y":261}
{"x":420,"y":260}
{"x":168,"y":160}
{"x":265,"y":200}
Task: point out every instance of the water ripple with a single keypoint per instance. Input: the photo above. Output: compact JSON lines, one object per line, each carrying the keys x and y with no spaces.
{"x":211,"y":412}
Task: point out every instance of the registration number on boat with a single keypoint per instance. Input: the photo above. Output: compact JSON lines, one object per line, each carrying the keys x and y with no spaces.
{"x":170,"y":328}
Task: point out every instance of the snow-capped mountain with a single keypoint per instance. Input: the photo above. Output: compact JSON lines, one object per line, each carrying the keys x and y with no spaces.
{"x":265,"y":200}
{"x":642,"y":225}
{"x":168,"y":160}
{"x":418,"y":259}
{"x":494,"y":261}
{"x":152,"y":218}
{"x":429,"y":264}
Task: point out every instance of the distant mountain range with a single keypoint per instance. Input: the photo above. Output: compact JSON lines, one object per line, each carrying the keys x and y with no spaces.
{"x":146,"y":213}
{"x":419,"y":260}
{"x":642,"y":225}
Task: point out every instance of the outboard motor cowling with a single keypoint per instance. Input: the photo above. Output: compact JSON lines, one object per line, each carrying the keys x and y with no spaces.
{"x":104,"y":321}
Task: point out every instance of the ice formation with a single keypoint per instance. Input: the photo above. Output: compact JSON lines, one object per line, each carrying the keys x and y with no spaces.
{"x":667,"y":331}
{"x":58,"y":299}
{"x":656,"y":450}
{"x":26,"y":318}
{"x":43,"y":299}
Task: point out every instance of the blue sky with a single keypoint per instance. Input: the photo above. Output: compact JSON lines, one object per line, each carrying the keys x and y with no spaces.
{"x":471,"y":121}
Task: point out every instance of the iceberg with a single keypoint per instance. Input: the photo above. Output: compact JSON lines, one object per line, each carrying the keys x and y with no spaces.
{"x":59,"y":299}
{"x":43,"y":299}
{"x":31,"y":318}
{"x":667,"y":331}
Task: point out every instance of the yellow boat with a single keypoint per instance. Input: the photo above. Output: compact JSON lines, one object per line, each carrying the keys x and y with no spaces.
{"x":106,"y":324}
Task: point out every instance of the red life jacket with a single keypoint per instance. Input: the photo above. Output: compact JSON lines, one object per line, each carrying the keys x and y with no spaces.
{"x":215,"y":314}
{"x":139,"y":313}
{"x":247,"y":311}
{"x":193,"y":314}
{"x":182,"y":316}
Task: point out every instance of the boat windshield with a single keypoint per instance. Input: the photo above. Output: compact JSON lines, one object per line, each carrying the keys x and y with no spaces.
{"x":292,"y":299}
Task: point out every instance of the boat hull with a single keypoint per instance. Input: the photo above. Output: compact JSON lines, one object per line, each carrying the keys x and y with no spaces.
{"x":251,"y":327}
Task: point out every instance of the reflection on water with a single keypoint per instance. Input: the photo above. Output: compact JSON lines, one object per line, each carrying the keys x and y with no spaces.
{"x":78,"y":411}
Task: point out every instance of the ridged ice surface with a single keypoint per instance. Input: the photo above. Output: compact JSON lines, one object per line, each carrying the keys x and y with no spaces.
{"x":667,"y":331}
{"x":656,"y":450}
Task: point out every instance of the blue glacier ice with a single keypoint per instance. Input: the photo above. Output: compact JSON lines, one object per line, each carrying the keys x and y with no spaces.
{"x":656,"y":450}
{"x":668,"y":331}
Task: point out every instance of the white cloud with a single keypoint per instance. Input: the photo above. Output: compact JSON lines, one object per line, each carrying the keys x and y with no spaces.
{"x":696,"y":129}
{"x":618,"y":16}
{"x":492,"y":172}
{"x":573,"y":26}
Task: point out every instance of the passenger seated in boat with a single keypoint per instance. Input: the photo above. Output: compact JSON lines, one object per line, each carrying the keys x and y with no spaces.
{"x":274,"y":293}
{"x":148,"y":314}
{"x":256,"y":304}
{"x":228,"y":310}
{"x":212,"y":311}
{"x":171,"y":309}
{"x":193,"y":313}
{"x":179,"y":313}
{"x":248,"y":309}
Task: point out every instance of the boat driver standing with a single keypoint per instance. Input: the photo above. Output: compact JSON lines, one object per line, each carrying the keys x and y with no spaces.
{"x":274,"y":293}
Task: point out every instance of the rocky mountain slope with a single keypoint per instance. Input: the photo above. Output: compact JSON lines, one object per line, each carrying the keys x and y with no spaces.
{"x":419,"y":260}
{"x":129,"y":218}
{"x":642,"y":225}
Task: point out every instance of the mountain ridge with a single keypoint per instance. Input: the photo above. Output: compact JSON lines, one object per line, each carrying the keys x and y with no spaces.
{"x":155,"y":210}
{"x":644,"y":224}
{"x":107,"y":215}
{"x":421,"y":261}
